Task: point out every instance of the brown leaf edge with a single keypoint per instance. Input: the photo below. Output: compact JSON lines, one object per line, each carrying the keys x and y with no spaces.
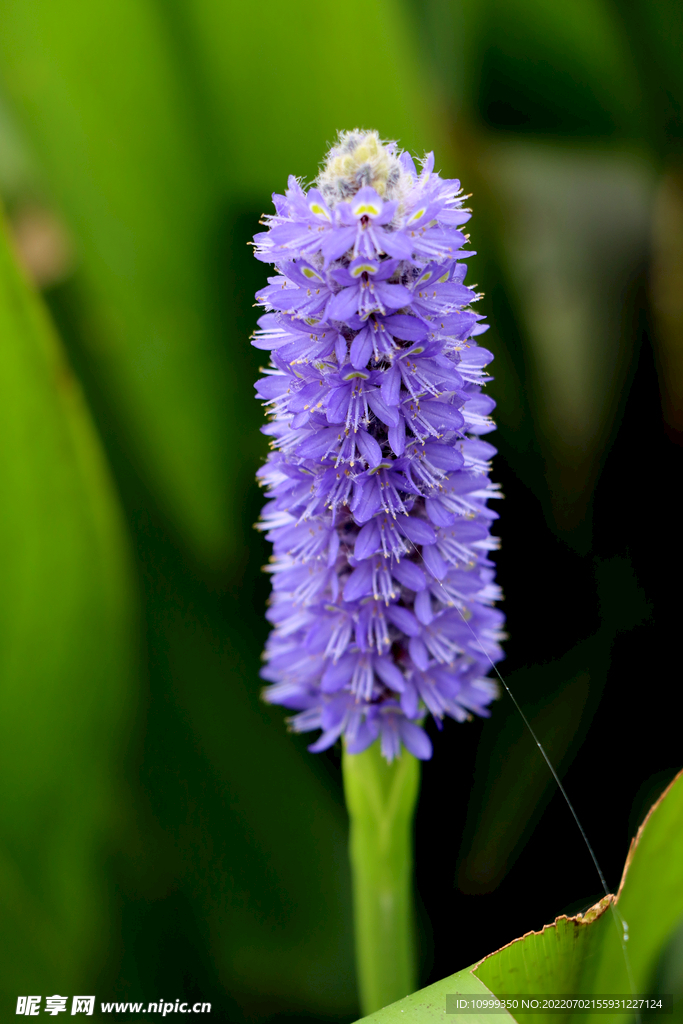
{"x":599,"y":908}
{"x":636,"y":839}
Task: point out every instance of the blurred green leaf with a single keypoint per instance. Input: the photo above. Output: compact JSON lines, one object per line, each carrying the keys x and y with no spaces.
{"x":96,"y":89}
{"x":558,"y":69}
{"x":666,"y":289}
{"x":655,"y":34}
{"x":17,"y":174}
{"x":277,"y":102}
{"x":573,"y":233}
{"x":144,"y":118}
{"x":583,"y":954}
{"x":66,"y":664}
{"x":535,"y":67}
{"x":262,"y":839}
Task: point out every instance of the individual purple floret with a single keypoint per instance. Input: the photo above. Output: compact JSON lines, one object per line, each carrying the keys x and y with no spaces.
{"x":378,"y":479}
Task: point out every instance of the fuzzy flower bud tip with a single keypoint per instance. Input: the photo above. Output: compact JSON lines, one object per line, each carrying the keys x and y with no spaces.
{"x":378,"y":477}
{"x":360,"y":159}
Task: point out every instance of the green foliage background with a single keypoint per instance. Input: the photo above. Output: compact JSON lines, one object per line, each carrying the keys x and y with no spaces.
{"x":160,"y":833}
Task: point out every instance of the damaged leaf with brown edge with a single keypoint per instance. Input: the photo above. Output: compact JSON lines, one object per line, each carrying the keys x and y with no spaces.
{"x":582,"y":954}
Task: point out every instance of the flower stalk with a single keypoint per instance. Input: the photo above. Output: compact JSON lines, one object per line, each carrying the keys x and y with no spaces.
{"x":381,"y":800}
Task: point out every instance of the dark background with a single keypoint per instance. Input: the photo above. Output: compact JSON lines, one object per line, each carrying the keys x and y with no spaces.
{"x":139,"y":145}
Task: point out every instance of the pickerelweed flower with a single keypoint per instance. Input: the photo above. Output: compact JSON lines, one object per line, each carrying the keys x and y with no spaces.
{"x":378,"y":479}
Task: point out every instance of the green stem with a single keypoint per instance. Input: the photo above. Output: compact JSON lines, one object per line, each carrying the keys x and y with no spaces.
{"x":381,"y":802}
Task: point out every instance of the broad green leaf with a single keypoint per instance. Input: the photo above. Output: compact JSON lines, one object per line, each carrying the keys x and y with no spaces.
{"x":429,"y":1004}
{"x":650,"y":897}
{"x":110,"y":120}
{"x":585,"y":954}
{"x":668,"y":977}
{"x":66,"y":663}
{"x":558,"y":959}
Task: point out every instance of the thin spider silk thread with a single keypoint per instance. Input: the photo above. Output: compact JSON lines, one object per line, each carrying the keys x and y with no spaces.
{"x":623,"y":932}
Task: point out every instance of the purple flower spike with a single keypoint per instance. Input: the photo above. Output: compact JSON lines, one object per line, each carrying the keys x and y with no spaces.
{"x":378,"y":479}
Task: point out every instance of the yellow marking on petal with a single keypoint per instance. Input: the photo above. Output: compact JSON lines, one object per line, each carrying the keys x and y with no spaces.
{"x":417,"y":215}
{"x":356,"y":373}
{"x":319,"y":210}
{"x":366,"y":208}
{"x":369,"y":268}
{"x":310,"y":273}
